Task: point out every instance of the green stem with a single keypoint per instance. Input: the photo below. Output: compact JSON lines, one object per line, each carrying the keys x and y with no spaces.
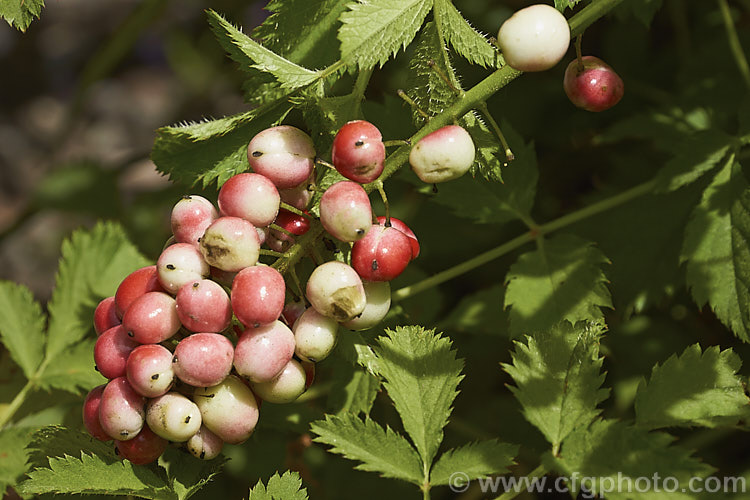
{"x":15,"y":404}
{"x":734,"y":42}
{"x":360,"y":85}
{"x":536,"y":473}
{"x":469,"y":100}
{"x":518,"y":241}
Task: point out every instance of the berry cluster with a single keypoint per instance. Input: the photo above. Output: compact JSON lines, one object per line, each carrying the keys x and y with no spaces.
{"x":192,"y":345}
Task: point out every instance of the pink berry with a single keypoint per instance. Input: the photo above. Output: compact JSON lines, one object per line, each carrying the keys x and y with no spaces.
{"x":285,"y":388}
{"x":595,"y":86}
{"x":258,"y":294}
{"x":284,"y":154}
{"x":358,"y":151}
{"x":401,"y":226}
{"x":149,"y":370}
{"x":345,"y":211}
{"x":179,"y":264}
{"x":105,"y":315}
{"x":382,"y":254}
{"x":111,"y":351}
{"x":252,"y":197}
{"x":204,"y":444}
{"x":203,"y":359}
{"x":299,"y":196}
{"x":143,"y":449}
{"x":315,"y":336}
{"x":443,"y":155}
{"x":152,"y":318}
{"x":190,"y":218}
{"x":262,"y":352}
{"x":91,"y":414}
{"x":203,"y":306}
{"x":378,"y":294}
{"x":173,"y":417}
{"x":335,"y":290}
{"x":121,"y":411}
{"x":134,"y":285}
{"x":228,"y":409}
{"x":231,"y":244}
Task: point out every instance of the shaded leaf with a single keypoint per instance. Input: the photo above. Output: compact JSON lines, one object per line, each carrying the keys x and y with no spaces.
{"x":475,"y":460}
{"x":699,"y":153}
{"x":467,"y":41}
{"x":288,"y":486}
{"x":22,"y":326}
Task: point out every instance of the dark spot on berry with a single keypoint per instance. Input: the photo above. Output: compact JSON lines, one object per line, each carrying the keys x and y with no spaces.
{"x":171,"y":267}
{"x":374,"y":265}
{"x":187,"y":419}
{"x":130,"y":334}
{"x":257,"y":154}
{"x":117,"y":451}
{"x":187,"y":197}
{"x":202,"y":455}
{"x":360,"y":232}
{"x":155,"y":376}
{"x":174,"y":360}
{"x":124,"y":433}
{"x":256,"y":324}
{"x":359,"y":143}
{"x":196,"y":285}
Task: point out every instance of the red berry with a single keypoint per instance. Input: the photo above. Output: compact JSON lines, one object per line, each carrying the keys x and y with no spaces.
{"x":401,"y":226}
{"x":291,"y":222}
{"x":149,"y":370}
{"x":143,"y":449}
{"x":152,"y":318}
{"x":258,"y":295}
{"x":358,"y":151}
{"x":91,"y":414}
{"x":112,"y":350}
{"x":284,"y":154}
{"x":105,"y":315}
{"x":252,"y":197}
{"x":203,"y":359}
{"x":594,"y":87}
{"x":345,"y":211}
{"x":134,"y":285}
{"x":203,"y":306}
{"x":190,"y":218}
{"x":382,"y":254}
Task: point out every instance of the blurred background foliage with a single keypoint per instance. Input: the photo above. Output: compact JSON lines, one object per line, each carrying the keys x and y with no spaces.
{"x":82,"y":91}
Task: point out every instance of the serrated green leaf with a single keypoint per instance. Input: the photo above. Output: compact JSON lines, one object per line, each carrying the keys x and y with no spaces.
{"x":93,"y":264}
{"x":698,"y":154}
{"x":558,"y":378}
{"x":374,"y":30}
{"x":378,"y":449}
{"x":212,"y":150}
{"x":22,"y":326}
{"x":325,"y":116}
{"x":694,"y":389}
{"x":610,"y":451}
{"x":74,"y":371}
{"x":97,"y":471}
{"x":716,"y":249}
{"x":467,"y":41}
{"x":561,"y":280}
{"x":13,"y":441}
{"x":288,"y":486}
{"x":421,"y":375}
{"x":247,"y":52}
{"x":188,"y":474}
{"x":475,"y":460}
{"x":353,"y":390}
{"x":303,"y":32}
{"x":20,"y":13}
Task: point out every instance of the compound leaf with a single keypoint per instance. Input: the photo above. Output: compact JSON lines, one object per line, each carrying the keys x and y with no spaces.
{"x":694,"y":389}
{"x":354,"y":389}
{"x":558,"y":378}
{"x":20,"y":13}
{"x":288,"y":486}
{"x":561,"y":280}
{"x":467,"y":41}
{"x":13,"y":441}
{"x":421,"y":375}
{"x":247,"y":52}
{"x":716,"y":249}
{"x":22,"y":326}
{"x":374,"y":30}
{"x":612,"y":454}
{"x":187,"y":474}
{"x":475,"y":460}
{"x":379,"y":449}
{"x":74,"y":371}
